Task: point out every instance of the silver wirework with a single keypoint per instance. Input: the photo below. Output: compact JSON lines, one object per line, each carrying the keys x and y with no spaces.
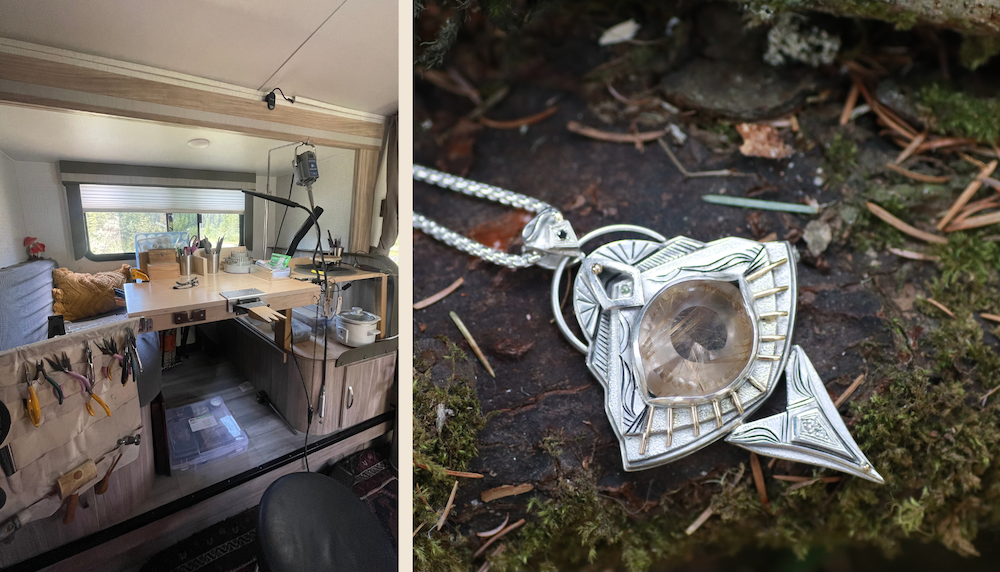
{"x":482,"y":191}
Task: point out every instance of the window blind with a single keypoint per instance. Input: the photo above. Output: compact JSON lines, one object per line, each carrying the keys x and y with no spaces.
{"x":123,"y":198}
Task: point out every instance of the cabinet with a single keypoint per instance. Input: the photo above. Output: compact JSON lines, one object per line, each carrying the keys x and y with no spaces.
{"x":355,"y":392}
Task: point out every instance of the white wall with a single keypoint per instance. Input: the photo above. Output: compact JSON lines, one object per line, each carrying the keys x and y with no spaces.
{"x":47,"y":216}
{"x":334,"y":191}
{"x":12,"y":227}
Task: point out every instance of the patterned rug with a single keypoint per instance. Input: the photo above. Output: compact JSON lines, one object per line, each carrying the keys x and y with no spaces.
{"x":231,"y":545}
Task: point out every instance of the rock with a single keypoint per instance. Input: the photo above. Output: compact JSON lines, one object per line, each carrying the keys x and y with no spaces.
{"x":746,"y":91}
{"x":818,"y":236}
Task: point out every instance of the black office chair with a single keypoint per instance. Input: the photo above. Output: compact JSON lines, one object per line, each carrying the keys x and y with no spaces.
{"x":308,"y":521}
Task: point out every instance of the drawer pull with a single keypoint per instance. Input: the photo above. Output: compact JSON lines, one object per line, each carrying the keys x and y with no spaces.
{"x":350,"y":396}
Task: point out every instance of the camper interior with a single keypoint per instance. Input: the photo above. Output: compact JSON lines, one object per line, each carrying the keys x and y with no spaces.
{"x":198,"y":270}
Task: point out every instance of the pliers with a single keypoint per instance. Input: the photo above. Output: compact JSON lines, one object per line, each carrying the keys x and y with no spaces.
{"x":34,"y":407}
{"x":56,"y":388}
{"x":90,"y":377}
{"x":132,"y":359}
{"x":110,"y":348}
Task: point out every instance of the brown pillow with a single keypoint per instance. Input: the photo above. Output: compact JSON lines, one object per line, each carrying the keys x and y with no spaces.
{"x":80,"y":295}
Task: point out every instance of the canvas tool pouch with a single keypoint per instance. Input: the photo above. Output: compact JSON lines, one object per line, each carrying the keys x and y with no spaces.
{"x":68,"y":435}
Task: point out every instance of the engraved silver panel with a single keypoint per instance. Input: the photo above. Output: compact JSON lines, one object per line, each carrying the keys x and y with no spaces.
{"x":650,"y":435}
{"x":810,"y":431}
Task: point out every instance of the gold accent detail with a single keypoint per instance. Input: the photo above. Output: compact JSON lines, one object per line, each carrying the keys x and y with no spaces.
{"x":670,"y":425}
{"x":695,"y":422}
{"x":769,"y":315}
{"x":757,"y":383}
{"x":718,"y":413}
{"x":772,"y":338}
{"x":769,"y":291}
{"x":766,"y":269}
{"x":769,"y":358}
{"x":649,"y":428}
{"x":736,"y":401}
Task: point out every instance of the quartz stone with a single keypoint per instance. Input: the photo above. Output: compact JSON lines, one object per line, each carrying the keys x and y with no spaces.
{"x":695,"y":338}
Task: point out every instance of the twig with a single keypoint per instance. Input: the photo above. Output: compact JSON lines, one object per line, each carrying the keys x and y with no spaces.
{"x":690,"y":174}
{"x":972,"y":208}
{"x":489,"y":104}
{"x":760,"y":204}
{"x":798,"y":479}
{"x":593,"y":133}
{"x":852,"y":100}
{"x":758,"y":480}
{"x":496,"y":530}
{"x":447,"y":507}
{"x":498,"y":536}
{"x":811,"y":482}
{"x":990,"y":182}
{"x":903,"y":227}
{"x":849,"y":391}
{"x":418,"y":529}
{"x":988,"y":394}
{"x":990,"y":317}
{"x":699,"y":521}
{"x":967,"y":195}
{"x":472,"y":342}
{"x":918,"y":176}
{"x":974,"y":222}
{"x":505,"y":491}
{"x":913,"y":146}
{"x":914,"y":255}
{"x":440,"y":295}
{"x":452,"y":473}
{"x":943,"y":142}
{"x":940,"y":306}
{"x":517,"y":123}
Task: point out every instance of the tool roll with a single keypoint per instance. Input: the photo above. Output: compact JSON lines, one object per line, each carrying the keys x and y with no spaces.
{"x":34,"y":459}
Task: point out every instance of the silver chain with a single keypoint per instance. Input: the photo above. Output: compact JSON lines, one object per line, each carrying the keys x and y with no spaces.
{"x":482,"y":191}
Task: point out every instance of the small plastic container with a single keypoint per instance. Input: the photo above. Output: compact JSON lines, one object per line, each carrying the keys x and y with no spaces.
{"x":202,"y":432}
{"x":307,"y":315}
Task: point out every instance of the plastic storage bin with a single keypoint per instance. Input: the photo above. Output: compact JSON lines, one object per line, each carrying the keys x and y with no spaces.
{"x":201,"y":432}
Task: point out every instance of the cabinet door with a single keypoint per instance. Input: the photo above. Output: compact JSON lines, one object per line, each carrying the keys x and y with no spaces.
{"x":366,"y":389}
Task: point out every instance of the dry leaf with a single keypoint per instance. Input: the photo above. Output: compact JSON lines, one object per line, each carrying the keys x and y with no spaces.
{"x":762,"y":141}
{"x":619,"y":33}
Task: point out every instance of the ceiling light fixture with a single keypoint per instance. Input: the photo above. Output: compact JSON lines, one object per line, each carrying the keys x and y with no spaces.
{"x":199,"y":143}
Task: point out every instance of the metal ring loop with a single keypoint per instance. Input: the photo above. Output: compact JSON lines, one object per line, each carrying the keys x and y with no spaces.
{"x":557,"y":277}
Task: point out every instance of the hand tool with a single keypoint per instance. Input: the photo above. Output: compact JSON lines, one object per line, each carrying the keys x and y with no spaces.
{"x":56,"y":388}
{"x":110,"y":348}
{"x":133,"y":346}
{"x":102,"y":486}
{"x":6,"y":458}
{"x":90,"y":377}
{"x":138,"y":275}
{"x":218,"y":245}
{"x":65,"y":366}
{"x":34,"y":407}
{"x":186,"y":285}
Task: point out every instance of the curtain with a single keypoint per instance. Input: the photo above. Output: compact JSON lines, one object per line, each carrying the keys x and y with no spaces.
{"x":390,"y":154}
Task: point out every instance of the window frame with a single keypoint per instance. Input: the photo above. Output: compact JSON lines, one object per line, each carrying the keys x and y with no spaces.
{"x":79,"y":232}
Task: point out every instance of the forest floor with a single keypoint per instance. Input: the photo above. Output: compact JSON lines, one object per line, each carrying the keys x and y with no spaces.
{"x":893,"y":321}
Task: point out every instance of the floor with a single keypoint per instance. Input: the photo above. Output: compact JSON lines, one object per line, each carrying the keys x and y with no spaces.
{"x":203,"y":376}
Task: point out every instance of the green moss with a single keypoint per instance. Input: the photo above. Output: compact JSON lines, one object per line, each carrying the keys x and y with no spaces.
{"x":956,"y":113}
{"x":977,"y":50}
{"x":450,"y":448}
{"x":841,"y":155}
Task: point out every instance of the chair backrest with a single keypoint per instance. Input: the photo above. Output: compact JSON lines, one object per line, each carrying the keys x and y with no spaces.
{"x":26,"y":302}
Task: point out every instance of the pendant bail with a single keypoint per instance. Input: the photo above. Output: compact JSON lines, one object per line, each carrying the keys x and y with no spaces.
{"x":551,"y":235}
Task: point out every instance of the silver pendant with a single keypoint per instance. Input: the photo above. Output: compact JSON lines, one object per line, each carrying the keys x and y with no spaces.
{"x":688,"y":339}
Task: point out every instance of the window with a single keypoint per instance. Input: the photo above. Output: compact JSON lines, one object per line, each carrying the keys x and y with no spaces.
{"x":114,"y":214}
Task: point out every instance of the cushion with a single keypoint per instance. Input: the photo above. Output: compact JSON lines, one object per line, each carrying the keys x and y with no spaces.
{"x":79,"y":295}
{"x":26,"y":299}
